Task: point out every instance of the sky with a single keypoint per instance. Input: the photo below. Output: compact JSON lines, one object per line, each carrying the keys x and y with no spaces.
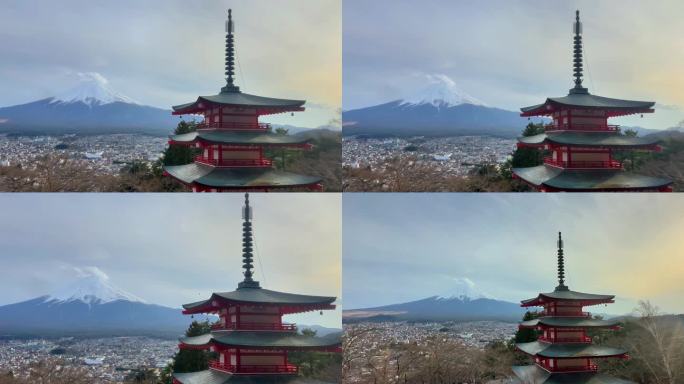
{"x":171,"y":249}
{"x":516,"y":53}
{"x":165,"y":53}
{"x":403,"y":247}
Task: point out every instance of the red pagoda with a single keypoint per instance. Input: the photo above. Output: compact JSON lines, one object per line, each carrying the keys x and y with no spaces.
{"x":250,"y":339}
{"x":563,"y":352}
{"x":582,"y":143}
{"x":232,"y":141}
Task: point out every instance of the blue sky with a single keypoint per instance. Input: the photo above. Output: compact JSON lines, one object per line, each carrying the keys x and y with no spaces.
{"x":165,"y":53}
{"x":170,"y":249}
{"x":515,"y":53}
{"x":402,"y":247}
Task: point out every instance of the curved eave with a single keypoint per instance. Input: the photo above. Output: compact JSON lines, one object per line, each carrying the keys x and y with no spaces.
{"x":260,"y":296}
{"x":262,"y":340}
{"x":568,"y":322}
{"x":615,"y":107}
{"x":238,"y":178}
{"x":597,"y":139}
{"x":588,"y":180}
{"x":537,"y":375}
{"x":240,"y":139}
{"x":211,"y":376}
{"x":569,"y":351}
{"x":573,"y":296}
{"x":263,"y":105}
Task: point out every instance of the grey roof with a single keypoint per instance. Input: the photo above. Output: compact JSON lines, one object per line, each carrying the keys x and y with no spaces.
{"x":238,"y":178}
{"x":532,"y":374}
{"x":241,"y":99}
{"x":570,"y":350}
{"x":593,"y":139}
{"x":264,"y":296}
{"x":587,"y":100}
{"x":211,"y":376}
{"x":264,"y":340}
{"x":571,"y":322}
{"x":245,"y":138}
{"x":588,"y":179}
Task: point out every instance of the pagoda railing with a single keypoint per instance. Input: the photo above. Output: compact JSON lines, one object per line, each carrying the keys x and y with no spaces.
{"x":254,"y":369}
{"x":582,"y":127}
{"x":246,"y":326}
{"x":610,"y":164}
{"x":579,"y":340}
{"x":234,"y":162}
{"x":576,"y":314}
{"x":262,"y":127}
{"x":587,"y":368}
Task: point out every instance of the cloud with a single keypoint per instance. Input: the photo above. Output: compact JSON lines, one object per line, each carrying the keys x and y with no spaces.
{"x":91,"y":271}
{"x":92,"y":76}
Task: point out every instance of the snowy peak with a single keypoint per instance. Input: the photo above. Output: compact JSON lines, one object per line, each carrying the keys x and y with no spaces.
{"x":93,"y":288}
{"x":441,"y":91}
{"x":92,"y":89}
{"x":463,"y":289}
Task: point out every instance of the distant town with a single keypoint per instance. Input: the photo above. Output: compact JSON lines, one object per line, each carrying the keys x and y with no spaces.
{"x":105,"y":360}
{"x":105,"y":154}
{"x":455,"y":156}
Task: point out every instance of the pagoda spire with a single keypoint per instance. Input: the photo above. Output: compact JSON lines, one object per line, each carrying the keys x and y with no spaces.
{"x":230,"y":56}
{"x":248,"y":282}
{"x":577,"y":56}
{"x":561,"y":266}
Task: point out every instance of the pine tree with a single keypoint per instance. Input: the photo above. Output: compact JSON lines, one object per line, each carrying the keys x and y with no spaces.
{"x":190,"y":360}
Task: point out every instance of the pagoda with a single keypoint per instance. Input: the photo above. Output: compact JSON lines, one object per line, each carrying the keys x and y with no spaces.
{"x":250,"y":339}
{"x":231,"y":140}
{"x":564,"y":353}
{"x":582,"y":144}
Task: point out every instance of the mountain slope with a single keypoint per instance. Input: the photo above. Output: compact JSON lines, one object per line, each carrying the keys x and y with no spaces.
{"x":437,"y":308}
{"x":89,"y":108}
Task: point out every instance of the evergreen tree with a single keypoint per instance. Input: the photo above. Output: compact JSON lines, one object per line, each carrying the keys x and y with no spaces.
{"x":526,"y":335}
{"x":180,"y":154}
{"x":190,"y":360}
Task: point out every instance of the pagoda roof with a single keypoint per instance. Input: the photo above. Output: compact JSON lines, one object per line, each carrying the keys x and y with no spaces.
{"x":238,"y":178}
{"x":237,"y":138}
{"x":584,"y":139}
{"x":569,"y":350}
{"x":568,"y":295}
{"x":532,"y":374}
{"x":618,"y":107}
{"x":588,"y":179}
{"x":262,"y":296}
{"x":570,"y":322}
{"x":250,"y":339}
{"x":211,"y":376}
{"x":266,"y":105}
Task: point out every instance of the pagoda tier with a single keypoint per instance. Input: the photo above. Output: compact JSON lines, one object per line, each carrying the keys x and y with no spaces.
{"x":231,"y":140}
{"x":582,"y":144}
{"x":563,"y":352}
{"x":250,"y":339}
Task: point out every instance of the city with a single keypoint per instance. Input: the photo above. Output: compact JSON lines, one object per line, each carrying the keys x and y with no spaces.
{"x":454,"y":156}
{"x":105,"y":360}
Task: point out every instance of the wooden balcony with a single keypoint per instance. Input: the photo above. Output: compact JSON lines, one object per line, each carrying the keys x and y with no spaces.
{"x":244,"y":326}
{"x":586,"y":368}
{"x":254,"y":369}
{"x":567,"y":314}
{"x":235,"y":163}
{"x":233,"y":126}
{"x":578,"y":340}
{"x":610,"y":164}
{"x":582,"y":127}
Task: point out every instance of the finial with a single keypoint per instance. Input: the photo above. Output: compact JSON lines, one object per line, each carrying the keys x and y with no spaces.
{"x":230,"y":55}
{"x":577,"y":56}
{"x":561,"y":266}
{"x":248,"y":282}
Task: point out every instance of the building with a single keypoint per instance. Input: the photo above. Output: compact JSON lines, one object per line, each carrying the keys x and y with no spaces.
{"x":250,"y":340}
{"x":582,"y":144}
{"x":563,"y":352}
{"x":231,"y":141}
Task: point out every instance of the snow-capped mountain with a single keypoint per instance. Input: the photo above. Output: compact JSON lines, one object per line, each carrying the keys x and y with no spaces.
{"x":439,"y":109}
{"x":464,"y":289}
{"x":91,"y":305}
{"x":90,"y":107}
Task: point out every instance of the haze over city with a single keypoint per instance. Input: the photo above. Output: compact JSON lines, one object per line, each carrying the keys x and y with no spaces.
{"x":511,"y":54}
{"x":404,"y":247}
{"x":151,"y":52}
{"x":171,"y":249}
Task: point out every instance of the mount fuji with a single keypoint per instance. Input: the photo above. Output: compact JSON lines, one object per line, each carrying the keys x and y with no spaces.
{"x":90,"y":107}
{"x":439,"y":109}
{"x":464,"y":302}
{"x":91,"y":306}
